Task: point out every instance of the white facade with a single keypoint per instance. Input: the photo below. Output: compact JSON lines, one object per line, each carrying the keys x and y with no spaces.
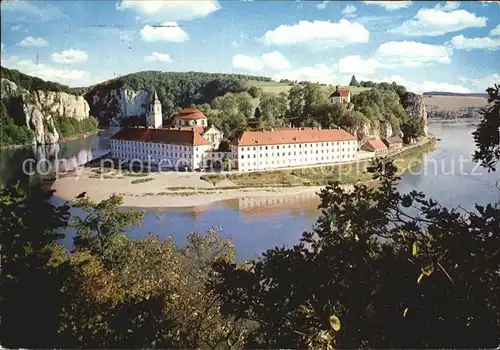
{"x":264,"y":157}
{"x":154,"y":117}
{"x":213,"y":135}
{"x":164,"y":155}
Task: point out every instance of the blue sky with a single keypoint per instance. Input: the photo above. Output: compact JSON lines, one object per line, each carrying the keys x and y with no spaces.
{"x":447,"y":46}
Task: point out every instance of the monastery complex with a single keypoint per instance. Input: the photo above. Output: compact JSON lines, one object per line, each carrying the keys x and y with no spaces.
{"x":192,"y":144}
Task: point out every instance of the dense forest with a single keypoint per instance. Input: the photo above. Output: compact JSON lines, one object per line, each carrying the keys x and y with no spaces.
{"x":232,"y":104}
{"x":379,"y":269}
{"x":309,"y":106}
{"x":12,"y":132}
{"x":33,"y":83}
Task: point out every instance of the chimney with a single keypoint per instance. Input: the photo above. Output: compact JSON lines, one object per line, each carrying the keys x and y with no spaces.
{"x":272,"y":129}
{"x":319,"y":127}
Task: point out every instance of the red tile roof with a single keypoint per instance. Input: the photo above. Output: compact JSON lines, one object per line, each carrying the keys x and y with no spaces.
{"x":190,"y":113}
{"x":341,"y":92}
{"x":292,"y":135}
{"x":176,"y":137}
{"x":393,"y":140}
{"x":198,"y":129}
{"x":374,"y":145}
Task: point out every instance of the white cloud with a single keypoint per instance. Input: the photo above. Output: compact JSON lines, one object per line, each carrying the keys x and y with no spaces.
{"x":412,"y":54}
{"x":15,"y":28}
{"x":390,"y":5}
{"x":318,"y":34}
{"x":171,"y":10}
{"x":482,"y":83}
{"x":30,"y":41}
{"x":158,"y":57}
{"x":460,"y":42}
{"x":495,"y":31}
{"x":248,"y":63}
{"x":427,"y":85}
{"x":349,"y":10}
{"x":322,"y":5}
{"x":485,"y":3}
{"x":43,"y":71}
{"x":433,"y":22}
{"x":449,"y":6}
{"x":317,"y":73}
{"x":25,"y":10}
{"x":276,"y":60}
{"x":169,"y":31}
{"x":69,"y":56}
{"x":356,"y":65}
{"x":273,"y":60}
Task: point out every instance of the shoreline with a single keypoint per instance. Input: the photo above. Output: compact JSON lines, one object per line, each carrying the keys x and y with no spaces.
{"x":175,"y":189}
{"x":65,"y":139}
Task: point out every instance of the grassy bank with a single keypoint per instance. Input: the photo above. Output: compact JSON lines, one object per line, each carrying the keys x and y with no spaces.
{"x":318,"y":176}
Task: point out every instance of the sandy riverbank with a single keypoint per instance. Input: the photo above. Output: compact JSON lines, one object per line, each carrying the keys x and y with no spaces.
{"x":174,"y":189}
{"x":161,"y":190}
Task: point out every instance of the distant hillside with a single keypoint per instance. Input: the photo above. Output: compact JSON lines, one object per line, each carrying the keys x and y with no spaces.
{"x":442,"y":93}
{"x":274,"y":87}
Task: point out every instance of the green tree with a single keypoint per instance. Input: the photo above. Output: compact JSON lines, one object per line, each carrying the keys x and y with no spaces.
{"x":102,"y":224}
{"x":31,"y":269}
{"x":296,"y":104}
{"x":487,"y":135}
{"x":380,"y":269}
{"x":255,"y":92}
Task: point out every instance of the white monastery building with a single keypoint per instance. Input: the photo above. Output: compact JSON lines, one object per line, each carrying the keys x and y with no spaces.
{"x":292,"y":147}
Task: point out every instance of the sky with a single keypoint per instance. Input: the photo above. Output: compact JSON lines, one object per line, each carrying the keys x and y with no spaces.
{"x":426,"y":46}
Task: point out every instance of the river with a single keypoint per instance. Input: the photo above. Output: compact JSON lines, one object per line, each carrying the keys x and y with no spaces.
{"x":447,"y":175}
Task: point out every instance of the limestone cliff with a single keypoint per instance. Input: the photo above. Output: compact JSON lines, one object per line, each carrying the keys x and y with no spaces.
{"x":113,"y":104}
{"x":38,"y":109}
{"x":377,"y":130}
{"x":416,"y":109}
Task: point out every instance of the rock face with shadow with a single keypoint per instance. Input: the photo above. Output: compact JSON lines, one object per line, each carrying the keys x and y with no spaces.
{"x":416,"y":109}
{"x":37,"y":109}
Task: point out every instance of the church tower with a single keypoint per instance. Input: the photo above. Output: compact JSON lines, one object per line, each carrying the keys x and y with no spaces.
{"x":155,"y":118}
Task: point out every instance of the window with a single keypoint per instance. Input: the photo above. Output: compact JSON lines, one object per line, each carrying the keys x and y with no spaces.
{"x":242,"y":156}
{"x":266,"y":147}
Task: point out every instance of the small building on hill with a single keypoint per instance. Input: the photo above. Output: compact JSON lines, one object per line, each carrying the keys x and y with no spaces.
{"x":393,"y":143}
{"x":376,"y":146}
{"x":341,"y":96}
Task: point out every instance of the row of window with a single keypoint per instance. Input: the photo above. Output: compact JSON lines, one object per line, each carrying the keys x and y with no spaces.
{"x":157,"y":153}
{"x":299,"y":145}
{"x":289,"y":161}
{"x":295,"y":153}
{"x":128,"y":144}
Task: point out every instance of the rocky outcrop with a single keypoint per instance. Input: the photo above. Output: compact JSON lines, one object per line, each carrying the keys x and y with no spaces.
{"x":416,"y":109}
{"x":375,"y":130}
{"x":39,"y":108}
{"x":112,"y":105}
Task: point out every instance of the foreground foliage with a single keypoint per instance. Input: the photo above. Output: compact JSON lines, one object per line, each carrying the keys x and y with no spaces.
{"x":379,"y":269}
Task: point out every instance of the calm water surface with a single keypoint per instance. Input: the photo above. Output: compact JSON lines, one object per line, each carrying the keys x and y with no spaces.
{"x":448,"y":175}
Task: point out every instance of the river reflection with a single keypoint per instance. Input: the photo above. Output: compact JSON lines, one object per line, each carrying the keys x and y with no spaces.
{"x":30,"y":165}
{"x":256,"y":224}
